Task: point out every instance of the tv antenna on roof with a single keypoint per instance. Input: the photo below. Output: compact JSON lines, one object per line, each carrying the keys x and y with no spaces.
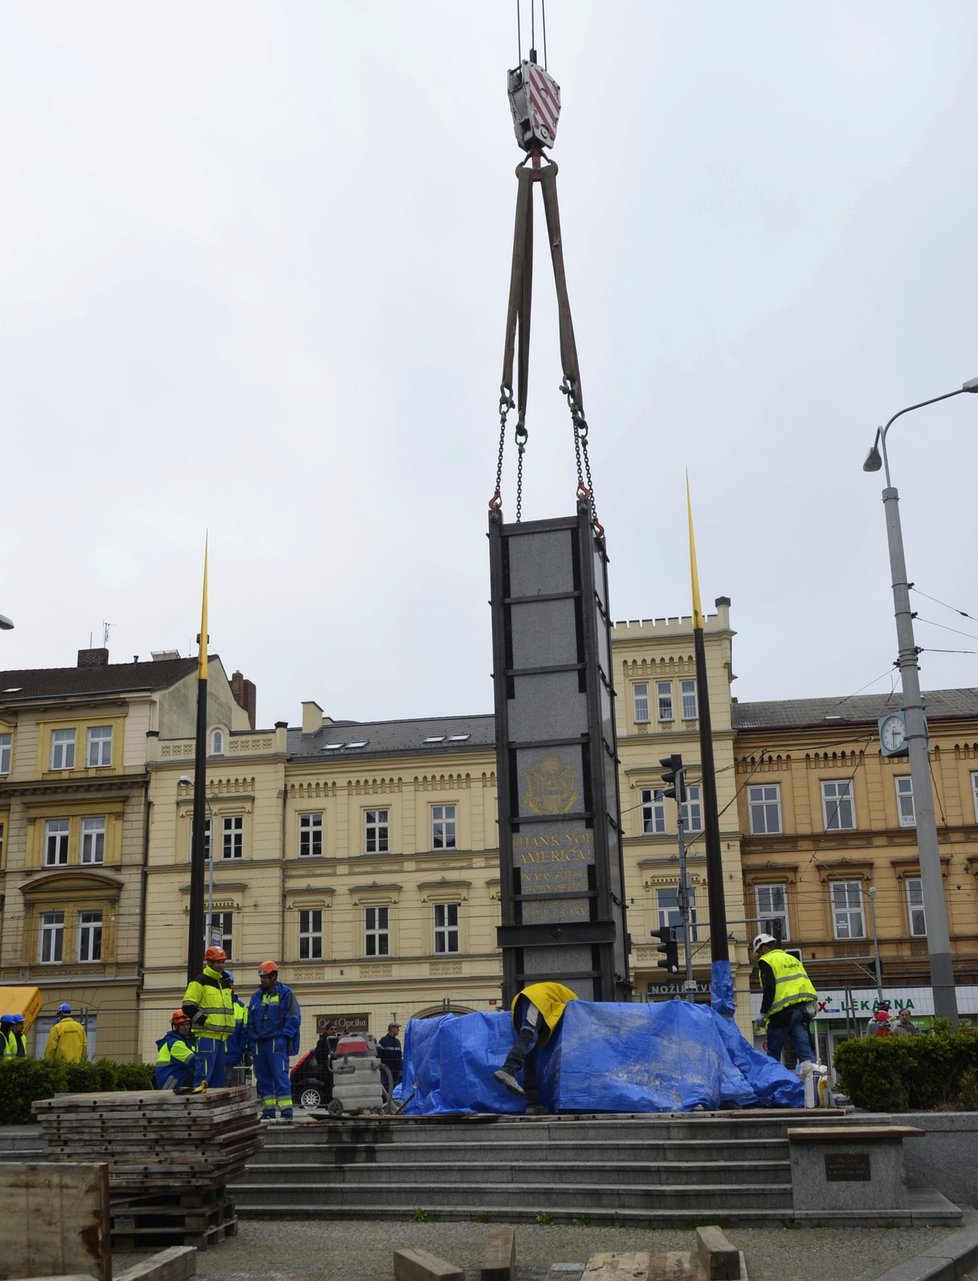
{"x":105,"y":633}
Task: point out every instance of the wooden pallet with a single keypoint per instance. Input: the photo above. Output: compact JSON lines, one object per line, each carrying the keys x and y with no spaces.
{"x":185,"y":1218}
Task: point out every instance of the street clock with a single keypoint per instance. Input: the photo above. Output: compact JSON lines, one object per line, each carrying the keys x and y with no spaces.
{"x":893,"y":734}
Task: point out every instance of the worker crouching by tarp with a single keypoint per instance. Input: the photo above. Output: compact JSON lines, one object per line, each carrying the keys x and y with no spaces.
{"x":671,"y":1056}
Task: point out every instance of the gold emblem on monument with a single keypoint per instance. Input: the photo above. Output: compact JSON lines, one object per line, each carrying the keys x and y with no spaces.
{"x":552,"y":788}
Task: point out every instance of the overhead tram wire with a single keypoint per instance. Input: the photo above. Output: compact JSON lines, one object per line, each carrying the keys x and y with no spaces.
{"x":944,"y":605}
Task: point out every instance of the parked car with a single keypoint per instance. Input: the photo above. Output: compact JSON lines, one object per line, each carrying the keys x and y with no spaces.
{"x":311,"y":1078}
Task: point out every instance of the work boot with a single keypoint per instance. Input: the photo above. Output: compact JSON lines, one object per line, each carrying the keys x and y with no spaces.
{"x":510,"y":1082}
{"x":199,"y":1089}
{"x":287,"y":1117}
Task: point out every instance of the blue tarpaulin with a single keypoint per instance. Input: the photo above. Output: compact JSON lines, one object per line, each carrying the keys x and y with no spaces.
{"x":670,"y":1056}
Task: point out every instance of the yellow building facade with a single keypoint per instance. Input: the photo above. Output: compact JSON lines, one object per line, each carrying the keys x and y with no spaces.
{"x":74,"y":813}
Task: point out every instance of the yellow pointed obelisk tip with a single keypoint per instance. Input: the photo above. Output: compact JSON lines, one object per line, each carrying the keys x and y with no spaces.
{"x":202,"y":640}
{"x":694,"y":574}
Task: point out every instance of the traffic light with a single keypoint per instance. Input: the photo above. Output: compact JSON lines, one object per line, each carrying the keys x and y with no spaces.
{"x":775,"y":927}
{"x":667,"y":944}
{"x":673,"y":777}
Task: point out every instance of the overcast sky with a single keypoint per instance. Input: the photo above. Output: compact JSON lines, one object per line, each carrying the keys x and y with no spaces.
{"x":254,"y":263}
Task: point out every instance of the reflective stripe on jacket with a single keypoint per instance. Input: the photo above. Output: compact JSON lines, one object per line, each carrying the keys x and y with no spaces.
{"x":792,"y":986}
{"x":210,"y":993}
{"x":175,"y":1060}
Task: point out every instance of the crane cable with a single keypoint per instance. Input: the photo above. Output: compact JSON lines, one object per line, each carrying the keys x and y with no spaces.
{"x":518,"y":325}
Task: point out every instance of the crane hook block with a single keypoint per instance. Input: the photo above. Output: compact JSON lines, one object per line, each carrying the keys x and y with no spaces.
{"x":534,"y":99}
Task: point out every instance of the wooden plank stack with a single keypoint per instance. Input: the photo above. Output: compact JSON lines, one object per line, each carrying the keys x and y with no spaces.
{"x":169,"y":1156}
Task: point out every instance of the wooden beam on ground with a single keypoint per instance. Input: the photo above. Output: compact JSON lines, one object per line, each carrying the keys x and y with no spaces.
{"x":419,"y":1265}
{"x":176,"y":1264}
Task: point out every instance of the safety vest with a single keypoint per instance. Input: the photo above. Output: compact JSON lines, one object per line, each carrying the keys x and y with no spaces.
{"x":550,"y":999}
{"x":174,"y":1047}
{"x":210,"y":992}
{"x":792,"y":986}
{"x":8,"y":1049}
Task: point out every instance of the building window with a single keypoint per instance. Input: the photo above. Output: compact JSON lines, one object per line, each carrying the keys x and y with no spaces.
{"x":687,"y":694}
{"x":848,"y":921}
{"x":974,"y":793}
{"x":653,"y":811}
{"x":904,"y":795}
{"x":219,"y":928}
{"x":56,"y":842}
{"x":663,"y":690}
{"x":217,"y":742}
{"x":1,"y":846}
{"x":640,"y":701}
{"x":443,"y":827}
{"x":311,"y":934}
{"x":693,"y":810}
{"x":915,"y":907}
{"x":232,"y":839}
{"x":89,"y":936}
{"x":375,"y":833}
{"x":5,"y":743}
{"x":764,"y":809}
{"x":771,"y":904}
{"x":93,"y":840}
{"x":667,"y":906}
{"x":376,"y":931}
{"x":838,"y":810}
{"x":63,"y":749}
{"x":446,"y":927}
{"x":310,"y":835}
{"x":99,"y":746}
{"x":52,"y":939}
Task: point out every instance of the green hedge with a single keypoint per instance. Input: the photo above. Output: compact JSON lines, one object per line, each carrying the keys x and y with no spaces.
{"x":24,"y":1080}
{"x":936,"y":1071}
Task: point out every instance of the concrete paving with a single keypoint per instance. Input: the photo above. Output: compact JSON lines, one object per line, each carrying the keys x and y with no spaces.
{"x":358,"y":1250}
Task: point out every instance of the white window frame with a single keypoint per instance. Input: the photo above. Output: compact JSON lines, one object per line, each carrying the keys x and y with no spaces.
{"x":688,"y":701}
{"x":93,"y":839}
{"x":664,"y":700}
{"x":232,"y":837}
{"x":98,"y":749}
{"x":640,"y":702}
{"x":848,"y":913}
{"x":770,"y":904}
{"x":693,"y":809}
{"x":376,"y":831}
{"x":62,"y":749}
{"x":220,"y":924}
{"x":906,"y":812}
{"x":51,"y":938}
{"x":444,"y":826}
{"x":668,"y":913}
{"x":89,"y":937}
{"x":916,"y":913}
{"x":764,"y":809}
{"x":376,"y":931}
{"x":57,"y":835}
{"x":217,"y":742}
{"x":6,"y":747}
{"x":974,"y":793}
{"x":446,"y":929}
{"x":837,"y":795}
{"x":653,"y":811}
{"x":310,"y":933}
{"x":311,"y":834}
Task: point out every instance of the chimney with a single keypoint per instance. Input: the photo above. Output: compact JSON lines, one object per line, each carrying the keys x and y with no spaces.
{"x":312,"y":717}
{"x":93,"y":658}
{"x":244,"y":695}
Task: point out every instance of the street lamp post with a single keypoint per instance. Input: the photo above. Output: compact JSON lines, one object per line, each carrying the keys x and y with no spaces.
{"x":932,"y":888}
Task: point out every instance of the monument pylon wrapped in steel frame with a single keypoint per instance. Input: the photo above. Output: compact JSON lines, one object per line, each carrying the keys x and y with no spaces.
{"x":563,"y":910}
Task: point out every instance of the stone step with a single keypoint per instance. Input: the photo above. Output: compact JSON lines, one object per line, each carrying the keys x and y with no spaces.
{"x":622,"y":1151}
{"x":270,"y":1199}
{"x":547,"y":1173}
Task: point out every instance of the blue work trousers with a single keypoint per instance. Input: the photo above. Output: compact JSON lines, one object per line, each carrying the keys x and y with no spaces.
{"x":794,"y":1029}
{"x":210,"y":1061}
{"x":272,"y":1072}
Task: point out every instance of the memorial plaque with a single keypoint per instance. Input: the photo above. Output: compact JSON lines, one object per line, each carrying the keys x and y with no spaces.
{"x":847,"y":1167}
{"x":563,"y":913}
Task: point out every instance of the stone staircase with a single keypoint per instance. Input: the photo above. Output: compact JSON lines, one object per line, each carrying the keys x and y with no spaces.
{"x":649,"y":1169}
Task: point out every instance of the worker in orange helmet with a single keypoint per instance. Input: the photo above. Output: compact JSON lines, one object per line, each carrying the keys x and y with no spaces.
{"x":176,"y":1057}
{"x":274,"y":1019}
{"x":208,"y":1005}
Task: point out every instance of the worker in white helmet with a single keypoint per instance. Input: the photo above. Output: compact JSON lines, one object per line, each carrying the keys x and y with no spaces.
{"x":787,"y":1000}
